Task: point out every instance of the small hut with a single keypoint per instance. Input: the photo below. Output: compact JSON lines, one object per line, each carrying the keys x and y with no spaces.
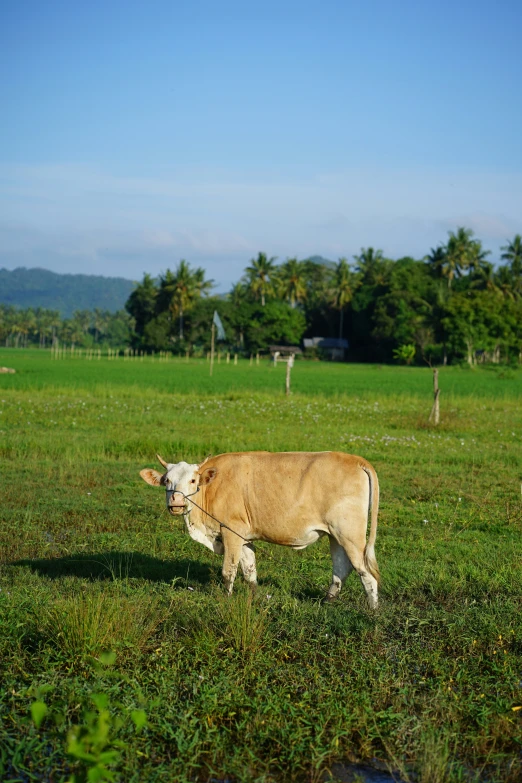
{"x":333,"y":347}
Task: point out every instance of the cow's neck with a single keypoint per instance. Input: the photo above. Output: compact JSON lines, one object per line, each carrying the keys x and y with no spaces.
{"x":199,"y":519}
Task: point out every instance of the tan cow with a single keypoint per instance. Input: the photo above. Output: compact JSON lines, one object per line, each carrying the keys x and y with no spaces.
{"x":288,"y":498}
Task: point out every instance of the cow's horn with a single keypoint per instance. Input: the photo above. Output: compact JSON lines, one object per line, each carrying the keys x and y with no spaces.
{"x":162,"y":461}
{"x":205,"y":460}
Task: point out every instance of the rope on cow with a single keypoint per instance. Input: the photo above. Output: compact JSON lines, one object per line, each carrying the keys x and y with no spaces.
{"x":221,"y":524}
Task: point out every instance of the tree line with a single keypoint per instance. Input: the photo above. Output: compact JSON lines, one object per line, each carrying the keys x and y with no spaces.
{"x":21,"y":328}
{"x":453,"y":305}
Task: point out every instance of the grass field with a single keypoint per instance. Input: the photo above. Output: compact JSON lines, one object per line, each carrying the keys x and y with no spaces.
{"x":119,"y":650}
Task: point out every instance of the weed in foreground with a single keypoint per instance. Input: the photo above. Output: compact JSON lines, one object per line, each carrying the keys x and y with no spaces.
{"x":242,"y":620}
{"x":87,"y":625}
{"x":434,"y":756}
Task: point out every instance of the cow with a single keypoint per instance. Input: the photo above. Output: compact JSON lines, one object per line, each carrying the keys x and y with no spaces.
{"x":288,"y":498}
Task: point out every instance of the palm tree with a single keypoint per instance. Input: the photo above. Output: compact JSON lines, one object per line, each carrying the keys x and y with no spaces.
{"x":237,"y":295}
{"x":202,"y":286}
{"x":100,"y":321}
{"x":461,"y":252}
{"x":181,"y":288}
{"x":30,"y":323}
{"x":505,"y":282}
{"x":513,"y":254}
{"x":82,"y":323}
{"x":372,"y":266}
{"x":436,"y":259}
{"x":343,"y":285}
{"x":291,"y":281}
{"x":258,"y":277}
{"x":477,"y":262}
{"x":484,"y":277}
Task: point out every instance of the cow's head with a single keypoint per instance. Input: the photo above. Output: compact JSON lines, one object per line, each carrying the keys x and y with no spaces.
{"x":180,"y":480}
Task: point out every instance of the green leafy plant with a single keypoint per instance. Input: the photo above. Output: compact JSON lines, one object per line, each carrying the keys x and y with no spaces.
{"x":91,"y":745}
{"x":405,"y":353}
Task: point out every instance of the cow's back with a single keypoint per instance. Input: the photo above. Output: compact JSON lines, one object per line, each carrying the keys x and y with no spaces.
{"x":276,"y":494}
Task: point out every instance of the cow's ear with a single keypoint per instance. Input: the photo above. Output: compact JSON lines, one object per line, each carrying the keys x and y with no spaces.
{"x":152,"y":477}
{"x":207,"y":476}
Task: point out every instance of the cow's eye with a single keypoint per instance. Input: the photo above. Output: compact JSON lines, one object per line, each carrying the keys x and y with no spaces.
{"x":193,"y":481}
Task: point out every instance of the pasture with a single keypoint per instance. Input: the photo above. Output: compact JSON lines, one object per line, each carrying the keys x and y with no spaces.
{"x":119,"y":651}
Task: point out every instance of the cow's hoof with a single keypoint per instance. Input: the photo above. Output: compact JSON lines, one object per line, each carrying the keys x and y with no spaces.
{"x":329,"y":599}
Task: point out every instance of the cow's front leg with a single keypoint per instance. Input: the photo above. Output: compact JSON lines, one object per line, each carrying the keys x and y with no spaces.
{"x":233,"y":550}
{"x":248,"y":565}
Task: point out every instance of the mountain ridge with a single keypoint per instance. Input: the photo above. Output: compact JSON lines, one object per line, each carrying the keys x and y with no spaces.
{"x":66,"y":292}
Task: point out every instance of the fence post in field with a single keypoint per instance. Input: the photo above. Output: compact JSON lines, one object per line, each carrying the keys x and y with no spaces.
{"x":257,"y":358}
{"x":187,"y":354}
{"x":251,"y":359}
{"x":228,"y":358}
{"x":212,"y":338}
{"x":435,"y":412}
{"x":235,"y":358}
{"x":289,"y":365}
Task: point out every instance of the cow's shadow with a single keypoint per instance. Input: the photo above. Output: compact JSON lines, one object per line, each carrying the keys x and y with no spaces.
{"x":121,"y":565}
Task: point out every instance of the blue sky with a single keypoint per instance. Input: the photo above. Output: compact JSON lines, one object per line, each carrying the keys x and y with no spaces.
{"x":139,"y":133}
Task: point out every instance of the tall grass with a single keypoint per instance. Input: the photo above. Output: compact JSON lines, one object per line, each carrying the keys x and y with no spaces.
{"x":242,"y":621}
{"x":97,"y":621}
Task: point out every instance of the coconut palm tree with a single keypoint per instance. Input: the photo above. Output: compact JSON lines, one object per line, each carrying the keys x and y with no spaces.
{"x":82,"y":323}
{"x":477,"y":262}
{"x":372,"y":266}
{"x":343,"y":284}
{"x":258,"y":277}
{"x":461,"y":252}
{"x":291,"y":281}
{"x":237,"y":295}
{"x":436,"y":259}
{"x":505,"y":282}
{"x":179,"y":290}
{"x":513,"y":254}
{"x":100,"y":322}
{"x":484,"y":277}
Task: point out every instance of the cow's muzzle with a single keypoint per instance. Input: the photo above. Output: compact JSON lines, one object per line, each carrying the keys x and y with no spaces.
{"x":176,"y":503}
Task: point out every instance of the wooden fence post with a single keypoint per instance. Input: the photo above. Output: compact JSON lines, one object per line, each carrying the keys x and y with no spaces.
{"x":435,"y":412}
{"x":212,"y":338}
{"x":289,"y":365}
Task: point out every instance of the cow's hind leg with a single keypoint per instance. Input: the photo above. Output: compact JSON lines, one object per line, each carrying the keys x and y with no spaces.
{"x":341,"y":567}
{"x":248,"y":565}
{"x":356,"y":556}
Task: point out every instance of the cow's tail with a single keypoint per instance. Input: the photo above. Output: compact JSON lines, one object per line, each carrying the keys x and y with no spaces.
{"x":369,"y":550}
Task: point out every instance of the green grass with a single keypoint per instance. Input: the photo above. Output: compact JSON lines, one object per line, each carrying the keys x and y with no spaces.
{"x":37,"y":371}
{"x":275,"y":687}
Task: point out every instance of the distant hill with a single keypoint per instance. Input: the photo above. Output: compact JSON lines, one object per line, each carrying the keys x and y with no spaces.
{"x":66,"y":293}
{"x":321,"y":260}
